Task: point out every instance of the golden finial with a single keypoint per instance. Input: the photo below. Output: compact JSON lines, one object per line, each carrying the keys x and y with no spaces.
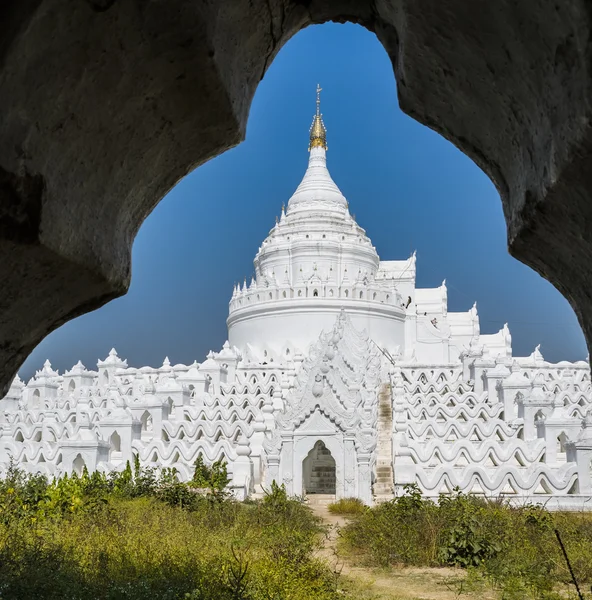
{"x":318,"y":133}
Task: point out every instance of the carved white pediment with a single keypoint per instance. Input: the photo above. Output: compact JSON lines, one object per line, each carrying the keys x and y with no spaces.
{"x":335,"y":390}
{"x":317,"y":423}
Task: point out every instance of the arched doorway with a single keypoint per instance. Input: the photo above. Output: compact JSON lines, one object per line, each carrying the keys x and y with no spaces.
{"x":318,"y":471}
{"x":115,"y":446}
{"x":147,"y":425}
{"x":78,"y":465}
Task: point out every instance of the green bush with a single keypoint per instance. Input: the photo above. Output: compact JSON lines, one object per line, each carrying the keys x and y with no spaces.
{"x":399,"y":531}
{"x":214,"y":478}
{"x":347,"y":506}
{"x":142,"y":534}
{"x":514,"y":548}
{"x":466,"y":538}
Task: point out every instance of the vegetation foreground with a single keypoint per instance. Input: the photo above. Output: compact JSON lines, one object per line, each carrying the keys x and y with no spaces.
{"x":138,"y":535}
{"x":512,"y":550}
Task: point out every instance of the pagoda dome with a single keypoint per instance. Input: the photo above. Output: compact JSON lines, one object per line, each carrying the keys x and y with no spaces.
{"x":315,"y":261}
{"x":317,"y":223}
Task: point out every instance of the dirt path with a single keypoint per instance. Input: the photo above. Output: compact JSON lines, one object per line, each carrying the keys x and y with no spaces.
{"x":407,"y":583}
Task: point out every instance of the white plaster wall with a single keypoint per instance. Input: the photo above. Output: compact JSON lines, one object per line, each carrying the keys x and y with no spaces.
{"x":301,"y":322}
{"x":431,"y":343}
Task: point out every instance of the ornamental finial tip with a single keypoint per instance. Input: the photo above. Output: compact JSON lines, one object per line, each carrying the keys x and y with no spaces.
{"x":318,"y":133}
{"x":319,"y":90}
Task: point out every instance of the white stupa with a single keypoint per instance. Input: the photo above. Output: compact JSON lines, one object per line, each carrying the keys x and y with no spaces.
{"x":314,"y":262}
{"x":339,"y":377}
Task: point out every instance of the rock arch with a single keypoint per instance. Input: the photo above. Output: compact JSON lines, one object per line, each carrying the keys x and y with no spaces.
{"x":506,"y":82}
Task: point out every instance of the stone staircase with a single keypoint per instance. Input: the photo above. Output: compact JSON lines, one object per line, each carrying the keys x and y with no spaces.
{"x":322,"y":480}
{"x":319,"y":499}
{"x":384,"y":484}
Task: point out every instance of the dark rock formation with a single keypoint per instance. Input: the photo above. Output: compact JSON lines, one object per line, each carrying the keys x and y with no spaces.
{"x":106,"y":104}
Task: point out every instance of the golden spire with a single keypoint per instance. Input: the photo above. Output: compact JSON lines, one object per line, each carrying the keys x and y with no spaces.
{"x":318,"y":133}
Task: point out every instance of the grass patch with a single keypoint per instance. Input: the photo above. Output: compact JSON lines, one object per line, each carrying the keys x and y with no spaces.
{"x":514,"y":549}
{"x":136,"y":535}
{"x":347,"y":506}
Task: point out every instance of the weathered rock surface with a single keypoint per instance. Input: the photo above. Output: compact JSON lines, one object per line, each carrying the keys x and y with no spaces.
{"x":106,"y":104}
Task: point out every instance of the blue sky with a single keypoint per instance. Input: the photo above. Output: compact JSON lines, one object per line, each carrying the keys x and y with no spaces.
{"x":408,"y":187}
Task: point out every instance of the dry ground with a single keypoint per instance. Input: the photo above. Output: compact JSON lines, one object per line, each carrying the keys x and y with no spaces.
{"x":405,"y":583}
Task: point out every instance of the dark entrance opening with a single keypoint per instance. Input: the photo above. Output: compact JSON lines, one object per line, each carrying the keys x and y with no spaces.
{"x":318,"y":471}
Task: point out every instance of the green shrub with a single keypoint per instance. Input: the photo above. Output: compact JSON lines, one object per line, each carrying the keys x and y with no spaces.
{"x":276,"y":496}
{"x":142,"y":534}
{"x":347,"y":506}
{"x":514,"y":548}
{"x":466,"y":538}
{"x":214,"y":478}
{"x":399,"y":531}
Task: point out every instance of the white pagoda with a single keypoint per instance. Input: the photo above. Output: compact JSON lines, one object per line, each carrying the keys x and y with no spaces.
{"x":339,"y":377}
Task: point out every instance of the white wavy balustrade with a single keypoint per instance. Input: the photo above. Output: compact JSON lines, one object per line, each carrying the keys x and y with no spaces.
{"x":542,"y":479}
{"x":458,"y":438}
{"x":167,"y":416}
